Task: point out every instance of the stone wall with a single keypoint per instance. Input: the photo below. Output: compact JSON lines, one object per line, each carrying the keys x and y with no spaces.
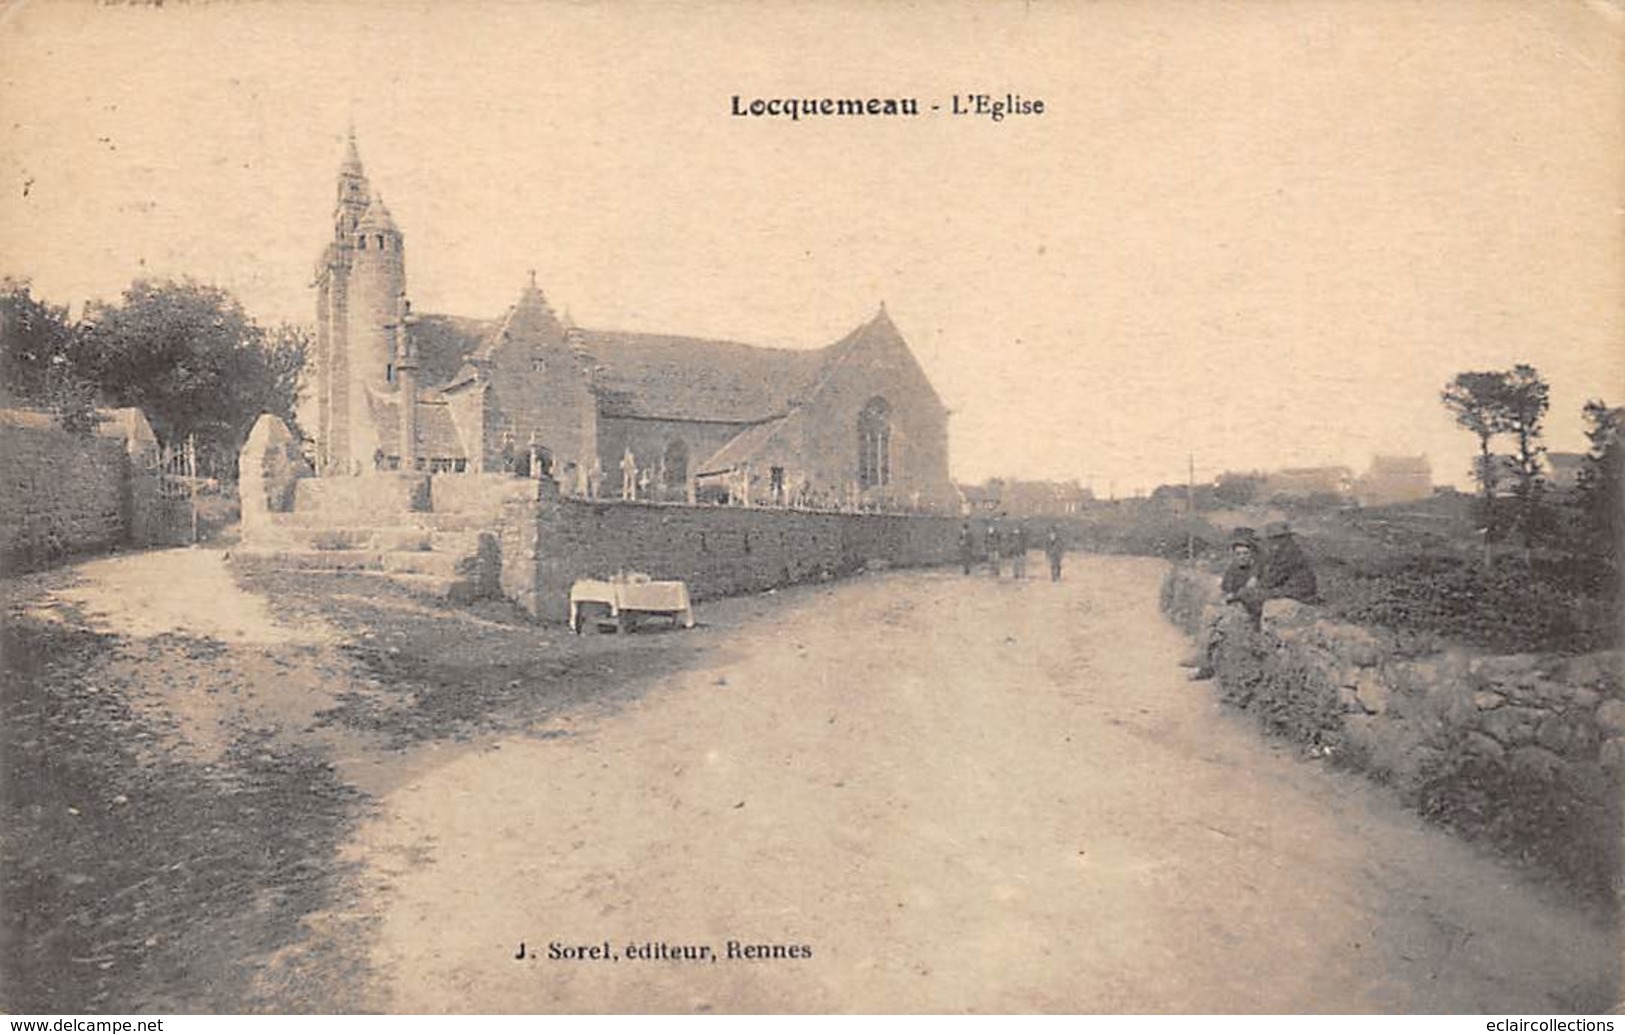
{"x":64,"y":494}
{"x":548,"y":544}
{"x":477,"y":493}
{"x":379,"y":497}
{"x":1525,"y":751}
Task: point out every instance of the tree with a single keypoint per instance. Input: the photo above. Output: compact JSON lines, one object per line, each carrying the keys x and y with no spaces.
{"x":189,"y":356}
{"x":1602,"y":478}
{"x":286,"y":347}
{"x":1520,"y":411}
{"x":41,"y":358}
{"x":1475,"y":399}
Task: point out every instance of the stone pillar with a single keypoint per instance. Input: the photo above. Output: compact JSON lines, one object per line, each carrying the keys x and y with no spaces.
{"x":407,"y":374}
{"x":267,"y":468}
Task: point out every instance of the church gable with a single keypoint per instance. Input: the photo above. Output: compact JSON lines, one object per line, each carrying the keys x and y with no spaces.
{"x":874,"y":424}
{"x":875,"y":356}
{"x":866,"y":425}
{"x":539,"y":394}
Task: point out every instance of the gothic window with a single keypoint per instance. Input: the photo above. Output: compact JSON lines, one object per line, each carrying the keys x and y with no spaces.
{"x":380,"y":242}
{"x":676,"y":461}
{"x":874,"y":443}
{"x":363,"y":239}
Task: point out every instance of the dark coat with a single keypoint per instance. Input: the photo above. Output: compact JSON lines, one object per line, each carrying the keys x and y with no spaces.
{"x":1286,"y":573}
{"x":1238,"y":574}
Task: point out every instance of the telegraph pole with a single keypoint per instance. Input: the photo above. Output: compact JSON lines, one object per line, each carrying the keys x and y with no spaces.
{"x":1190,"y":511}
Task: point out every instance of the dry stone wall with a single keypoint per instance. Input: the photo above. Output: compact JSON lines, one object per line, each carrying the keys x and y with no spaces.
{"x":1525,"y":751}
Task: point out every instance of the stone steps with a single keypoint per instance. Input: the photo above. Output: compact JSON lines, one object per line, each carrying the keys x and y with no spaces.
{"x":430,"y":555}
{"x":433,"y":575}
{"x":413,"y":520}
{"x":406,"y":539}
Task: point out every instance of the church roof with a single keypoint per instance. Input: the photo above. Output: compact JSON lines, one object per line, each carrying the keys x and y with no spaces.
{"x":531,"y":319}
{"x":377,"y":218}
{"x":444,"y":344}
{"x":352,"y":156}
{"x":437,"y":433}
{"x":653,"y":376}
{"x":741,"y":448}
{"x":662,"y":376}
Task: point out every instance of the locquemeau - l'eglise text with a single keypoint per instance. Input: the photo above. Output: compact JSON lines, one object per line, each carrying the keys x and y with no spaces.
{"x":986,"y":105}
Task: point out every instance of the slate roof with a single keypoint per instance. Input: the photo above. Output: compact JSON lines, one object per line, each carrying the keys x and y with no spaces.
{"x":445,"y":342}
{"x":531,"y":319}
{"x":377,"y":217}
{"x":741,"y":448}
{"x":680,"y":378}
{"x":437,"y":434}
{"x":1410,"y":466}
{"x":651,"y":376}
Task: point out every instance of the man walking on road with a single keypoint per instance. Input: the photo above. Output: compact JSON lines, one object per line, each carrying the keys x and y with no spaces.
{"x":1018,"y":551}
{"x":1054,"y":550}
{"x":991,"y":543}
{"x":967,"y":547}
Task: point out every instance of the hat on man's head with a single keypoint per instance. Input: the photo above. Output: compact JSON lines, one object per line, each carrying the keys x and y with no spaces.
{"x":1277,"y":529}
{"x":1244,"y":537}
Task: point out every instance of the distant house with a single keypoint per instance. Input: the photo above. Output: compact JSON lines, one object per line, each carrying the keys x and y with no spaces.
{"x":1563,"y":470}
{"x":1303,"y":482}
{"x":1025,"y":498}
{"x":1395,"y":479}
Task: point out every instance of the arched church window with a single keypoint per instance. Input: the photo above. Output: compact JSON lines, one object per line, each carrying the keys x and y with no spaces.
{"x":380,"y":242}
{"x":676,"y":464}
{"x":874,"y":443}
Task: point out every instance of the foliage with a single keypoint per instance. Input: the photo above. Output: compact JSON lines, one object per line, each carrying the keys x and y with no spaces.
{"x":1547,"y":603}
{"x":1522,"y":405}
{"x":1544,"y":818}
{"x":1282,"y":688}
{"x":1471,"y":397}
{"x":1514,"y":402}
{"x":39,"y":358}
{"x":1602,"y":481}
{"x":185,"y":353}
{"x":1142,"y":530}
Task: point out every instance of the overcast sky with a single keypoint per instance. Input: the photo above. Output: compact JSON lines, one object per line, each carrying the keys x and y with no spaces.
{"x":1262,"y":233}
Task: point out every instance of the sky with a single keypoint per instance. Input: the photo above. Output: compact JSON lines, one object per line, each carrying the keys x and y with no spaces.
{"x":1258,"y":234}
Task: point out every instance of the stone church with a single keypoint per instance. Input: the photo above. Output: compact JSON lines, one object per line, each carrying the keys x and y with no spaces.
{"x":607,"y":413}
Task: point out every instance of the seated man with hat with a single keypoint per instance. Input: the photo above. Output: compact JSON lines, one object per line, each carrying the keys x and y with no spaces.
{"x":1285,"y":572}
{"x":1239,"y":586}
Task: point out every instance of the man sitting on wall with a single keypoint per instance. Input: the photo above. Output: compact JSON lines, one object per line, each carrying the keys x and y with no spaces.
{"x":1241,"y":610}
{"x":1285,"y":573}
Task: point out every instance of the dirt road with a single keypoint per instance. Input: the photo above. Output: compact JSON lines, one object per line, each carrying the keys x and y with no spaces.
{"x":960,"y":795}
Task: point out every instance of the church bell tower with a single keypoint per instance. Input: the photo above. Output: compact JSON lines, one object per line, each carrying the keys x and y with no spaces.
{"x":360,"y":284}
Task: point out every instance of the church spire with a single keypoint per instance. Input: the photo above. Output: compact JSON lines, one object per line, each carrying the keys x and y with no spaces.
{"x":354,"y":193}
{"x":352,"y":156}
